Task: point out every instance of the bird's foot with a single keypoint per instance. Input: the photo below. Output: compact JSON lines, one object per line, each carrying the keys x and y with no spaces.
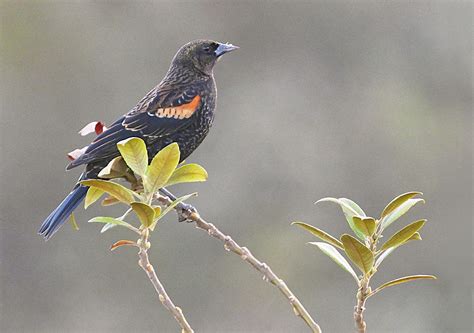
{"x":184,"y":211}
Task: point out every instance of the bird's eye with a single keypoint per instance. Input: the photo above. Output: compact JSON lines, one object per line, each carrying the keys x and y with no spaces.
{"x":206,"y":48}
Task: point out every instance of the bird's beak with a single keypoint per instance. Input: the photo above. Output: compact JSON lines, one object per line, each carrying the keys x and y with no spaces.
{"x":225,"y":48}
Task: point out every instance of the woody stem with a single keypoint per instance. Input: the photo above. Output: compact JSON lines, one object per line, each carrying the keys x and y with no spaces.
{"x":144,"y":263}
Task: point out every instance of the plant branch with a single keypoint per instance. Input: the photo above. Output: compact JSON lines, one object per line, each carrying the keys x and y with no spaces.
{"x":362,"y":296}
{"x":364,"y":291}
{"x":144,"y":263}
{"x":191,"y":214}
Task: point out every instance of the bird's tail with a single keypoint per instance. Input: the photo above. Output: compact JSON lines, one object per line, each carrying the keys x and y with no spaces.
{"x":61,"y":214}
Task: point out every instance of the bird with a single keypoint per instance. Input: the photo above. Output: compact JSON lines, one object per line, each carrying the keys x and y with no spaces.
{"x":179,"y":109}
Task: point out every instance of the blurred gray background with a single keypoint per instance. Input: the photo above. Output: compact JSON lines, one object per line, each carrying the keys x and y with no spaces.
{"x":364,"y":100}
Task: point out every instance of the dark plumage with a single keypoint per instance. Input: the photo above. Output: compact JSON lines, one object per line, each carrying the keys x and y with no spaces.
{"x":180,"y":109}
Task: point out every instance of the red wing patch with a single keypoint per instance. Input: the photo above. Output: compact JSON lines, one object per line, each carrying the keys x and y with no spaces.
{"x":183,"y":111}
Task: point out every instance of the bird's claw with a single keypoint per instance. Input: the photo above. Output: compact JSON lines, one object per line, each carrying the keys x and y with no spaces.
{"x":184,"y":211}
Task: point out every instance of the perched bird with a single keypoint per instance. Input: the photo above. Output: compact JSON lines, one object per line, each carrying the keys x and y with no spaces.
{"x":179,"y":109}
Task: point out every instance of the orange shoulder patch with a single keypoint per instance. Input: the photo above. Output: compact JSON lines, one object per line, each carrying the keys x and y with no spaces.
{"x":183,"y":111}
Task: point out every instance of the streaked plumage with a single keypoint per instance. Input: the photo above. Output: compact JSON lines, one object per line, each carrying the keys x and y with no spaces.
{"x":180,"y":109}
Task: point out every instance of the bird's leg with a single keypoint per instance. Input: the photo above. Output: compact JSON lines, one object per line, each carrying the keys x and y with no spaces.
{"x":184,"y":209}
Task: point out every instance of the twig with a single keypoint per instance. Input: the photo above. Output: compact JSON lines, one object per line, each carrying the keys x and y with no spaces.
{"x":364,"y":290}
{"x":144,"y":263}
{"x":362,"y":296}
{"x":230,"y":245}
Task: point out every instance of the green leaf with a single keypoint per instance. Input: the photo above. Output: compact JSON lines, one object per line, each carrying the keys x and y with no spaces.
{"x":350,"y":209}
{"x":157,"y":217}
{"x":320,"y":234}
{"x":398,"y":212}
{"x":115,"y":169}
{"x":116,"y":190}
{"x":107,"y":226}
{"x":171,"y":207}
{"x":133,"y":151}
{"x":403,"y":280}
{"x":145,"y":213}
{"x":187,"y":174}
{"x":157,"y":211}
{"x":366,"y":225}
{"x":358,"y":253}
{"x":161,"y":168}
{"x":108,"y":220}
{"x":397,"y":202}
{"x":416,"y":236}
{"x":334,"y":254}
{"x":93,"y":194}
{"x":354,"y":206}
{"x":403,"y":235}
{"x":72,"y":220}
{"x":386,"y":253}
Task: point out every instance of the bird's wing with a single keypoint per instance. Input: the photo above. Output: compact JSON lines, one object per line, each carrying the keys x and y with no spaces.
{"x":163,"y":117}
{"x":162,"y":112}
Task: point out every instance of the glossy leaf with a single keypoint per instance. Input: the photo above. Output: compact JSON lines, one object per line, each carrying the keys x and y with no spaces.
{"x":133,"y":151}
{"x":416,"y":236}
{"x":116,"y":168}
{"x":354,"y":206}
{"x":157,"y":217}
{"x":188,"y":173}
{"x":107,"y":226}
{"x":386,"y":253}
{"x":349,"y":208}
{"x":366,"y":225}
{"x":398,"y":212}
{"x":334,"y":254}
{"x":145,"y":213}
{"x":403,"y":235}
{"x":157,"y":211}
{"x":358,"y":253}
{"x":93,"y":194}
{"x":161,"y":168}
{"x":108,"y":220}
{"x":122,"y":242}
{"x":320,"y":234}
{"x":116,"y":190}
{"x":72,"y":220}
{"x":171,"y":207}
{"x":397,"y":202}
{"x":403,"y":280}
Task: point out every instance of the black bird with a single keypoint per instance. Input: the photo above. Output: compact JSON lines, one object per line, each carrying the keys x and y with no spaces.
{"x":179,"y":109}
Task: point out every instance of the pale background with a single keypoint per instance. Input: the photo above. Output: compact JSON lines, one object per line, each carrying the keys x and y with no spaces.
{"x":358,"y":99}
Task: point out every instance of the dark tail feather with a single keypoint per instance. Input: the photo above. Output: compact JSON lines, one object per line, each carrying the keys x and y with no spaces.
{"x":61,"y":214}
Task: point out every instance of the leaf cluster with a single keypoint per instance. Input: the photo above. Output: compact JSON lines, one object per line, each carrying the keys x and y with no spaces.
{"x":145,"y":180}
{"x":362,"y":248}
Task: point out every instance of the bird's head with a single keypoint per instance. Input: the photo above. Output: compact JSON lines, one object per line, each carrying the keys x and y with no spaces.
{"x":202,"y":54}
